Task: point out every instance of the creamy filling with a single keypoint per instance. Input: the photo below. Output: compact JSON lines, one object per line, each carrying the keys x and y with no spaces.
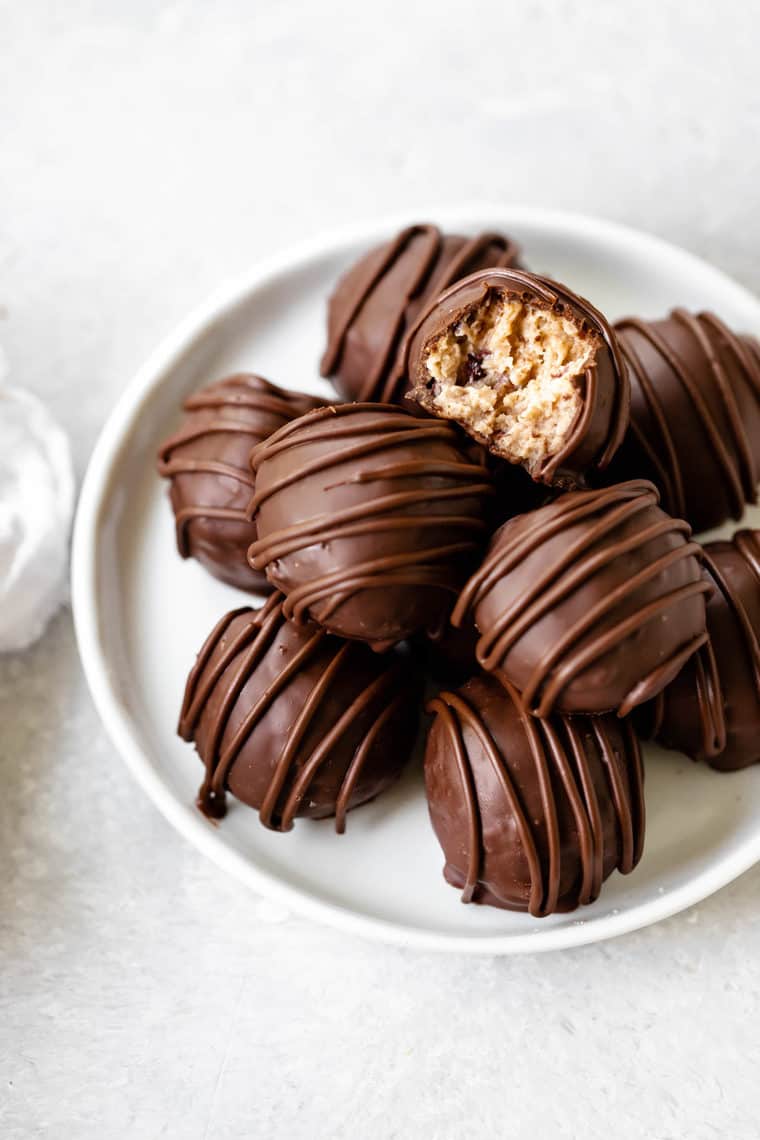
{"x":509,"y":371}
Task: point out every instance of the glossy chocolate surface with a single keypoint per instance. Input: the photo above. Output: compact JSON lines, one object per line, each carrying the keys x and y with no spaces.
{"x":711,"y":711}
{"x":207,"y":463}
{"x":294,"y":722}
{"x":369,"y":520}
{"x":532,"y":815}
{"x":695,"y":415}
{"x":592,"y":603}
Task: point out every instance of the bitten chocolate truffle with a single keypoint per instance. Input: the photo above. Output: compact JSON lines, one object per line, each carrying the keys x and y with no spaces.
{"x":211,"y":480}
{"x":592,"y":603}
{"x":711,"y":711}
{"x":377,"y":300}
{"x":369,"y":519}
{"x":529,"y":369}
{"x":532,"y":815}
{"x":295,"y":722}
{"x":695,"y":415}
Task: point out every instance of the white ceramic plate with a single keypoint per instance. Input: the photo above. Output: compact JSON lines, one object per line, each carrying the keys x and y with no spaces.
{"x":141,"y":615}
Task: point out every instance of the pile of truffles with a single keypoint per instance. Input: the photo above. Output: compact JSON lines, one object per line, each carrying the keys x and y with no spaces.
{"x":499,"y":525}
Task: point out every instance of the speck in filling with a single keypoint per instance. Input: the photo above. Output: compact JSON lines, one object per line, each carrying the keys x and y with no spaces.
{"x":508,"y":371}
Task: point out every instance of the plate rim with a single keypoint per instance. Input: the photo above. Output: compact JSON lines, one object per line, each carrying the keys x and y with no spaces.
{"x":103,"y":683}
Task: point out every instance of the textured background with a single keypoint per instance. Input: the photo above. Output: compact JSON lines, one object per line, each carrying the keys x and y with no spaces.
{"x":148,"y":151}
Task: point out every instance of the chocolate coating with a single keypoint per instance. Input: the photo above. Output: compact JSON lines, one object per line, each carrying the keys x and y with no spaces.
{"x":695,"y":415}
{"x":377,"y":300}
{"x":294,"y":722}
{"x":369,"y":519}
{"x":211,"y":479}
{"x":592,"y":603}
{"x":532,"y":815}
{"x":711,"y":711}
{"x":598,"y":430}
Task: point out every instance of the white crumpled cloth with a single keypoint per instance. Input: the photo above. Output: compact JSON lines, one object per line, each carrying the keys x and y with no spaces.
{"x":36,"y":505}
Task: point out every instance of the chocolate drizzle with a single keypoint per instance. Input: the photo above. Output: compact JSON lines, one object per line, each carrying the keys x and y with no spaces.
{"x":695,"y":415}
{"x":711,"y":711}
{"x":368,"y":518}
{"x":294,"y":721}
{"x":593,"y":602}
{"x":532,"y":814}
{"x":211,"y":480}
{"x":378,"y":298}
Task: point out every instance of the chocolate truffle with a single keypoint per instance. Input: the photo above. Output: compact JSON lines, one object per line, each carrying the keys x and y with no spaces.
{"x":711,"y":711}
{"x":695,"y":415}
{"x":295,"y":722}
{"x":211,"y":480}
{"x":369,"y":519}
{"x":592,"y":603}
{"x":529,"y":369}
{"x":376,"y":301}
{"x":532,"y":815}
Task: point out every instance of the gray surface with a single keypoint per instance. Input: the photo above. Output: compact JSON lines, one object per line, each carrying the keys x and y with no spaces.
{"x":148,"y":151}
